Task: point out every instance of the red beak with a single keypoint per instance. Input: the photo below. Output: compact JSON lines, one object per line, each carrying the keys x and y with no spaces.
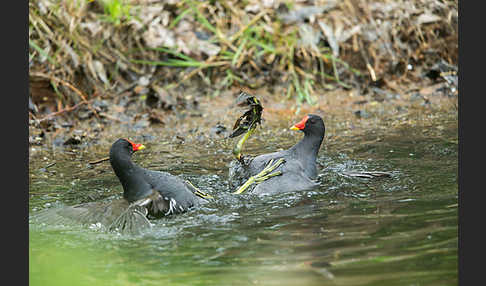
{"x":301,"y":124}
{"x":136,"y":146}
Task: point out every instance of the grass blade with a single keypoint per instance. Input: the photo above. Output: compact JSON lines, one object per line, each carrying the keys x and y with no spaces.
{"x":41,"y":51}
{"x":172,"y":52}
{"x":179,"y":17}
{"x":238,"y":52}
{"x":170,"y":63}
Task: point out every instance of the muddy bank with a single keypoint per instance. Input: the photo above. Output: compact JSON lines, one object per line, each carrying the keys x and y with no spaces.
{"x":104,"y":63}
{"x":347,"y":115}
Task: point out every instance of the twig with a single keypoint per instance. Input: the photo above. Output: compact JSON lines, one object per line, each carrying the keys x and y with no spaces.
{"x":253,"y":21}
{"x":365,"y":58}
{"x":77,"y":91}
{"x":371,"y":71}
{"x":99,"y":161}
{"x":50,"y":165}
{"x":62,"y":111}
{"x":110,"y":117}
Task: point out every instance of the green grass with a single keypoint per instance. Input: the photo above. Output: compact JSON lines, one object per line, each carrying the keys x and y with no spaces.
{"x":116,"y":11}
{"x":41,"y":51}
{"x":249,"y":45}
{"x":253,"y":47}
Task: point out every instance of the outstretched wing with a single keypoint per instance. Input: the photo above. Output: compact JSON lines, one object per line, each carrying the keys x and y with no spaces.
{"x":117,"y":215}
{"x":132,"y":221}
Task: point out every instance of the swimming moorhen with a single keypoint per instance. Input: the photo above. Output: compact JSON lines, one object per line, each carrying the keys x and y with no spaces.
{"x":168,"y":194}
{"x":289,"y":170}
{"x":146,"y":194}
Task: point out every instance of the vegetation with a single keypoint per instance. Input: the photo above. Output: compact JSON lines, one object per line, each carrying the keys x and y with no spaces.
{"x":109,"y":46}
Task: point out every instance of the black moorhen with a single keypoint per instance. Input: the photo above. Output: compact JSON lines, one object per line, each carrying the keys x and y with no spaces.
{"x":146,"y":193}
{"x":295,"y":168}
{"x":162,"y":192}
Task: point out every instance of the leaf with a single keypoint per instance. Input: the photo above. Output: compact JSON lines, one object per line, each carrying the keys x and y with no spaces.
{"x":427,"y":18}
{"x":330,"y":37}
{"x":100,"y":71}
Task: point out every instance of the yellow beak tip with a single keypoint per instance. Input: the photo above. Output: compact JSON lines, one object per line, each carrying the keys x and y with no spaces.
{"x":141,"y":147}
{"x":294,"y":128}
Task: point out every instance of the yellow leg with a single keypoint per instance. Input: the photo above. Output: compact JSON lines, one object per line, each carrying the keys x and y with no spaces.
{"x":262,"y":176}
{"x":239,"y":145}
{"x":199,"y":193}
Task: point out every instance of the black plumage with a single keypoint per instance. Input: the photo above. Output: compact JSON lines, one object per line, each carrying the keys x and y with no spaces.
{"x":297,"y":172}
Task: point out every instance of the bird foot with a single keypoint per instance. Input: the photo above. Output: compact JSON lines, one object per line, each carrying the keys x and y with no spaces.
{"x":198,"y":192}
{"x":264,"y":175}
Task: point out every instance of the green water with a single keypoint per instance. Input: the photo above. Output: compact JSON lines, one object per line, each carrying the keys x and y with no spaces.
{"x":401,"y":230}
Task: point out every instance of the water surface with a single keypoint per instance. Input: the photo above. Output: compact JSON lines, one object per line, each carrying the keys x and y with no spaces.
{"x":398,"y":230}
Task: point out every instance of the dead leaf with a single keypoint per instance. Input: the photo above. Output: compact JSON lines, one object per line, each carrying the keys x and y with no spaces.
{"x":208,"y":48}
{"x":100,"y":71}
{"x":346,"y":34}
{"x":157,"y":35}
{"x":427,"y":18}
{"x":93,"y":27}
{"x":307,"y":12}
{"x":331,"y":39}
{"x":309,"y":37}
{"x":74,"y":56}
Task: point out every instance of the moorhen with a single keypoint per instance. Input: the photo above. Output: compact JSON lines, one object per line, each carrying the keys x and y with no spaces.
{"x":146,"y":194}
{"x":295,"y":168}
{"x":162,"y":192}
